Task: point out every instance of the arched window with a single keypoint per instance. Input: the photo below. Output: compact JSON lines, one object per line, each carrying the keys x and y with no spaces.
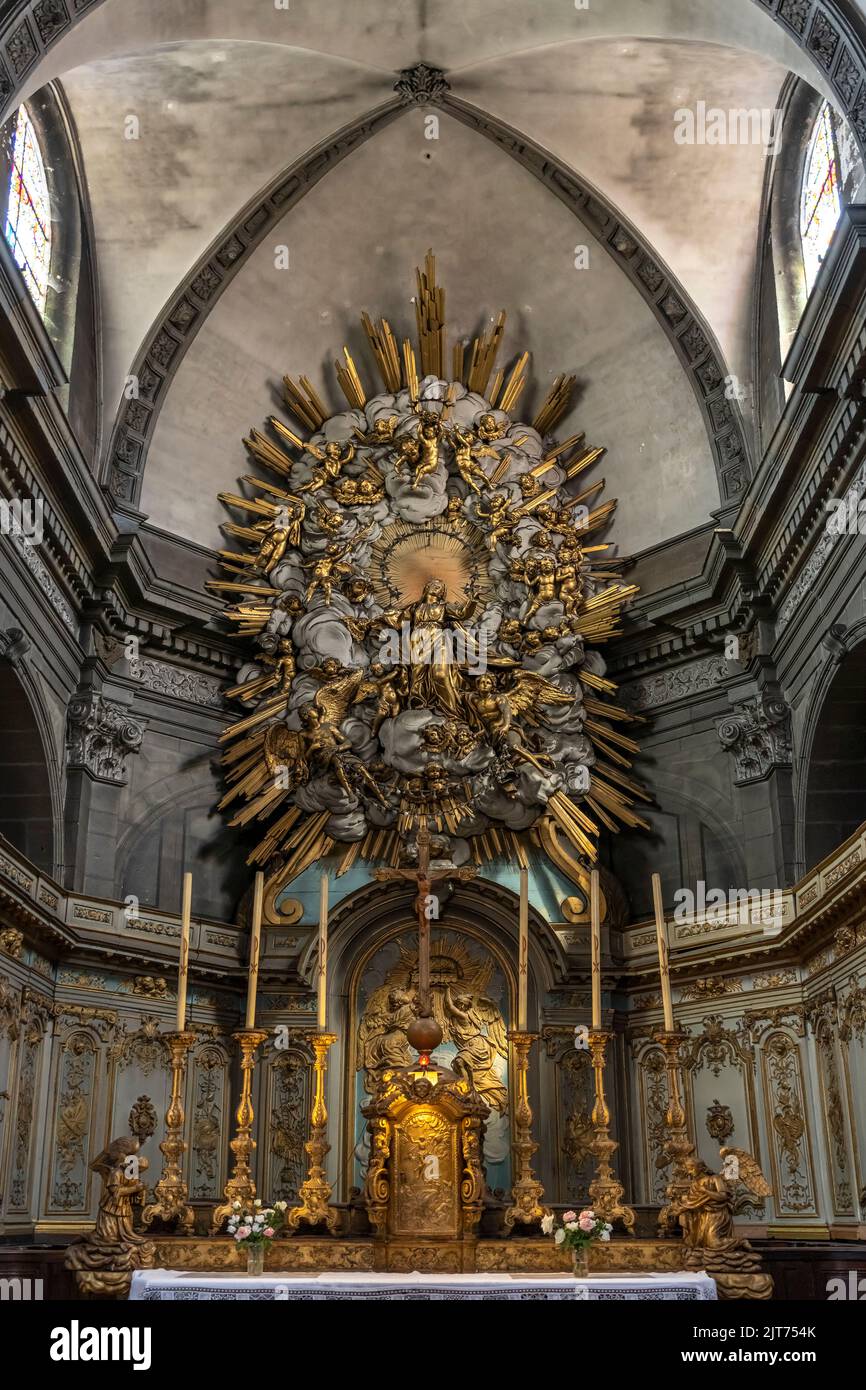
{"x":28,"y":211}
{"x":821,"y":198}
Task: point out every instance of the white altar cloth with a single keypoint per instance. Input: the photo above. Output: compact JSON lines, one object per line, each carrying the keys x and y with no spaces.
{"x":175,"y":1286}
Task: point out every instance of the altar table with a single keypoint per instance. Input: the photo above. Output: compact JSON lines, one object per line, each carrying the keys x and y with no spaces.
{"x":175,"y":1286}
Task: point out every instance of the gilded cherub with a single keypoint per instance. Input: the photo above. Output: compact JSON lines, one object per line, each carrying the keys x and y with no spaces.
{"x":330,"y":567}
{"x":333,"y":457}
{"x":389,"y":687}
{"x":498,"y":514}
{"x":466,"y":446}
{"x":428,"y":437}
{"x":538,"y":573}
{"x":568,"y":579}
{"x":329,"y":522}
{"x":488,"y":428}
{"x":382,"y":432}
{"x":278,"y":675}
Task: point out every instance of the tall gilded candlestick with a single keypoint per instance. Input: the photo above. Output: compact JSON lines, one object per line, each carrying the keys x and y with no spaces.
{"x":664,"y":963}
{"x":523,"y":952}
{"x":677,"y":1147}
{"x":183,"y":963}
{"x":605,"y":1190}
{"x":314,"y":1193}
{"x":322,"y":970}
{"x":171,"y":1195}
{"x":595,"y":954}
{"x":527,"y":1191}
{"x":255,"y":948}
{"x":240,"y":1186}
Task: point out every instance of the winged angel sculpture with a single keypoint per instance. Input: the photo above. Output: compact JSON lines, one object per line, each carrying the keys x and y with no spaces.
{"x":426,"y":591}
{"x":470,"y":1020}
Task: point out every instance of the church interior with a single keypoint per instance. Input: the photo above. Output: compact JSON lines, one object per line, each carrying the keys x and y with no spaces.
{"x":433,"y":650}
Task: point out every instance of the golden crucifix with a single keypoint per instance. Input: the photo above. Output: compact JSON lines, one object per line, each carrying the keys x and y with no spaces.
{"x":425,"y":877}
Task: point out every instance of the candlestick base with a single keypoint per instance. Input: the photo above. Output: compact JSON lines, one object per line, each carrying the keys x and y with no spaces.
{"x":314,"y":1207}
{"x":171,"y":1195}
{"x":678,"y":1147}
{"x":527,"y":1191}
{"x":605,"y":1191}
{"x":240,"y":1186}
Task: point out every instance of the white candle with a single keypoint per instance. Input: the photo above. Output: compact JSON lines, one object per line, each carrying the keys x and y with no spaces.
{"x":183,"y":963}
{"x":595,"y":930}
{"x":255,"y":942}
{"x":322,"y":991}
{"x":664,"y":967}
{"x":523,"y":952}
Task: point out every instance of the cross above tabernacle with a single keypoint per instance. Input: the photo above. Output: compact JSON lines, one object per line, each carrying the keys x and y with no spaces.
{"x":425,"y":875}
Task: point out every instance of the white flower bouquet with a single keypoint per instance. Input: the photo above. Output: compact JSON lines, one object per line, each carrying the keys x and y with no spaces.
{"x":256,"y":1226}
{"x":578,"y":1230}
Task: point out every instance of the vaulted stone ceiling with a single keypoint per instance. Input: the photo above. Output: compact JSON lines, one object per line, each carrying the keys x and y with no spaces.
{"x":230,"y":92}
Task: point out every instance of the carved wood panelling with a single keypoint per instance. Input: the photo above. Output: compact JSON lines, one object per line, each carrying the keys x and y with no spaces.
{"x":210,"y":1112}
{"x":76,"y":1085}
{"x":285,"y":1121}
{"x":574,"y":1097}
{"x":790,"y":1150}
{"x":835,"y":1121}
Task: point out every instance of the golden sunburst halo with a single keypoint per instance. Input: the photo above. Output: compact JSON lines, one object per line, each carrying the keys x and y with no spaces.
{"x":406,"y":557}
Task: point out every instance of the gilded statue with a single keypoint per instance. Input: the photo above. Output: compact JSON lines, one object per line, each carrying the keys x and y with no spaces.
{"x":104,"y":1259}
{"x":388,"y":686}
{"x":359,"y":492}
{"x":382,"y":1032}
{"x":706,"y":1214}
{"x":329,"y":521}
{"x":276,"y":534}
{"x":333,"y":458}
{"x":435,"y":676}
{"x":476,"y":1028}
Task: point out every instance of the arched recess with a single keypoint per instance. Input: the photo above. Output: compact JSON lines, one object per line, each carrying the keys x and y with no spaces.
{"x":173,"y":832}
{"x":171,"y":335}
{"x":29,"y":790}
{"x":781,"y":289}
{"x":833,"y":771}
{"x":71,"y":313}
{"x":480,"y":912}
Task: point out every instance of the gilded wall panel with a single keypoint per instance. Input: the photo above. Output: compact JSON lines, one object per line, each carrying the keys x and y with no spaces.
{"x":210,"y":1109}
{"x":790,"y":1149}
{"x":73,"y":1110}
{"x":722,"y":1066}
{"x":835,"y":1121}
{"x":285,"y":1108}
{"x":25,"y":1125}
{"x":575,"y":1095}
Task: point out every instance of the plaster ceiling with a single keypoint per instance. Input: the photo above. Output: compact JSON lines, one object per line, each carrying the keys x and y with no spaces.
{"x":229,"y":92}
{"x":501,"y":242}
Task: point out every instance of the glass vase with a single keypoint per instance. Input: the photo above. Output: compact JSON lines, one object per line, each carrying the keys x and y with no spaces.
{"x":580,"y":1261}
{"x":256,"y":1258}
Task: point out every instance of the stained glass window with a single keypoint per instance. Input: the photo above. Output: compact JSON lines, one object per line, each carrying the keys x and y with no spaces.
{"x":28,"y":217}
{"x":821,"y":202}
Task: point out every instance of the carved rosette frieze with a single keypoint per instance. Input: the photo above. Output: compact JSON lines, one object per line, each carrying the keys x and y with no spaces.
{"x":758,"y":735}
{"x":100,"y":736}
